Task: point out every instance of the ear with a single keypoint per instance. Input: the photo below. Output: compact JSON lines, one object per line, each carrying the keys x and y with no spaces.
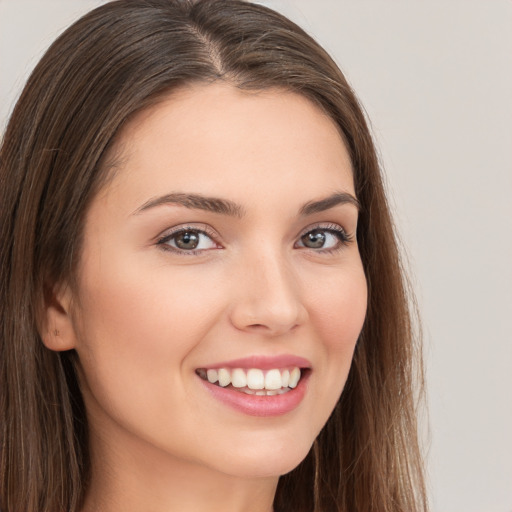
{"x":57,"y":329}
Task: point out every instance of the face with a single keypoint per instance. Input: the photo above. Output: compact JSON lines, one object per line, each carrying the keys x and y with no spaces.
{"x":224,"y":249}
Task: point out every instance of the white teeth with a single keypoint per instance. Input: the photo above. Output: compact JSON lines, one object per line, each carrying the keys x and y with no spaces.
{"x":285,"y":378}
{"x":224,"y":377}
{"x":273,"y":380}
{"x":260,"y":392}
{"x":255,"y":379}
{"x":294,"y":378}
{"x":238,"y":378}
{"x":212,"y":376}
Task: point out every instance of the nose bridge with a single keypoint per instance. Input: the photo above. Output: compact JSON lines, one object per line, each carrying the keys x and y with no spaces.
{"x":269,"y":296}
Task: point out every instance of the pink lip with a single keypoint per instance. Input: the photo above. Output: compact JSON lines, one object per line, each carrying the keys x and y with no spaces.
{"x":263,"y":362}
{"x":254,"y":405}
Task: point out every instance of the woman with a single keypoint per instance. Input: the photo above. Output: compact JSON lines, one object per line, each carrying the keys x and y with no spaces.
{"x":202,"y":300}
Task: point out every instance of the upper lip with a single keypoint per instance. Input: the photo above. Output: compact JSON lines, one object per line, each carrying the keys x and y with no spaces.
{"x":263,"y":362}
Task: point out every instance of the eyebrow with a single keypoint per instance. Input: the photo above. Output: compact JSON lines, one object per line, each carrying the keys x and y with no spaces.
{"x":232,"y":209}
{"x":339,"y":198}
{"x":195,"y":202}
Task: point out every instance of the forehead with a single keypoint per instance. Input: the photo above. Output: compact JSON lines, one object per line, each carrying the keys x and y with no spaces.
{"x":214,"y":135}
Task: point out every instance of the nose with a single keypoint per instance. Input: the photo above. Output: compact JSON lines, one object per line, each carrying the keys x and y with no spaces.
{"x":268,"y":298}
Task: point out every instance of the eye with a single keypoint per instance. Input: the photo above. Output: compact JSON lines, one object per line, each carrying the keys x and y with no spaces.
{"x":324,"y":238}
{"x":187,"y":240}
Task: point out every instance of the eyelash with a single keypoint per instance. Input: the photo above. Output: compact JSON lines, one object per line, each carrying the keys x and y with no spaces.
{"x":333,"y":229}
{"x":203,"y":230}
{"x":343,"y":237}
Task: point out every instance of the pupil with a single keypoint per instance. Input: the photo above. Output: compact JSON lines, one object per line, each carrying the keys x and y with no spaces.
{"x":314,"y":240}
{"x":187,"y":240}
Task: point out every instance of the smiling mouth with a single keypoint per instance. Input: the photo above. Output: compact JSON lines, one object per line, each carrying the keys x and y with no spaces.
{"x":254,"y":381}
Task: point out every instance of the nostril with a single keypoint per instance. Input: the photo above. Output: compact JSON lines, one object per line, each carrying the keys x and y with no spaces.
{"x":272,"y":329}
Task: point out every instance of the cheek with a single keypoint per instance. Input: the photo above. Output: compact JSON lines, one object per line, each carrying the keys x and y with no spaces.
{"x":137,"y":308}
{"x":337,"y":314}
{"x":137,"y":327}
{"x":339,"y":309}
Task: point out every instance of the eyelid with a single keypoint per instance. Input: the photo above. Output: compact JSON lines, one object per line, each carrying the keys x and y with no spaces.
{"x":345,"y":237}
{"x":199,"y":228}
{"x":327,"y":226}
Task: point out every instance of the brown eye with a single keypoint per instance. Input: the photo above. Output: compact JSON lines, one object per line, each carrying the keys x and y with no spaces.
{"x":324,"y":239}
{"x":186,"y":240}
{"x":314,"y":239}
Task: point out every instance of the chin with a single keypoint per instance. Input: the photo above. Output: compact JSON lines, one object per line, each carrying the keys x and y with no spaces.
{"x":258,"y":462}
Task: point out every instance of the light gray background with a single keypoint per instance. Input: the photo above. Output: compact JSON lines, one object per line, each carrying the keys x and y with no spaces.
{"x":436,"y":80}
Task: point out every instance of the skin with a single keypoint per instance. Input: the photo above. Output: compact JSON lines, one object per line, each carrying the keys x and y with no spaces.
{"x":145,"y":318}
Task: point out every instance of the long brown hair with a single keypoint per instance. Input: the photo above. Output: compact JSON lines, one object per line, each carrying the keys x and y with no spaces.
{"x":115,"y":61}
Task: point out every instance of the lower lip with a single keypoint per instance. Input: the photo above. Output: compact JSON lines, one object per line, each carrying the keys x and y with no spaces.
{"x":256,"y":405}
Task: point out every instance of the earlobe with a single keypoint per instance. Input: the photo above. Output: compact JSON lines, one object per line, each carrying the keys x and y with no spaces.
{"x":57,"y":329}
